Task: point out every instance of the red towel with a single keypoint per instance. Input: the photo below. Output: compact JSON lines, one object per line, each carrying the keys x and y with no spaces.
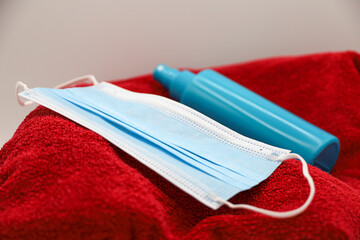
{"x":60,"y":180}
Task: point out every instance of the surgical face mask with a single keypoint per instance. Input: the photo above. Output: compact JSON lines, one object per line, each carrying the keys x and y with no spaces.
{"x":198,"y":155}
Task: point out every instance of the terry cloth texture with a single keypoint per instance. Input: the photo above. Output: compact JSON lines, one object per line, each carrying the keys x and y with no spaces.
{"x":59,"y":180}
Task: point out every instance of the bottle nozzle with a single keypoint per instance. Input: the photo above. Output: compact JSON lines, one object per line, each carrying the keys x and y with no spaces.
{"x":165,"y":75}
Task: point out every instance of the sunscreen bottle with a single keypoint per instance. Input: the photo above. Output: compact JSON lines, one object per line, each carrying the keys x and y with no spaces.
{"x":249,"y":114}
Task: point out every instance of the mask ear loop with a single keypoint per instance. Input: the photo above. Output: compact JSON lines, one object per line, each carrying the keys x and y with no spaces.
{"x":276,"y":214}
{"x":20,"y":87}
{"x":73,"y":82}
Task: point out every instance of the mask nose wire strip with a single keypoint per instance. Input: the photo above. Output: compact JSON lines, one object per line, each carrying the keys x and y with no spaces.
{"x":276,"y":214}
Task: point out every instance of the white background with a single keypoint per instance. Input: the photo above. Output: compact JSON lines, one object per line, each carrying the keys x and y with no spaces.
{"x":46,"y":42}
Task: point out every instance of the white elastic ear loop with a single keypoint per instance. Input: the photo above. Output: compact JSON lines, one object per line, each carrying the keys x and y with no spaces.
{"x":83,"y":79}
{"x":20,"y":87}
{"x":287,"y":214}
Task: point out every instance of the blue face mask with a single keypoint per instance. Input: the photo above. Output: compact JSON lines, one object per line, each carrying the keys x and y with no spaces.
{"x":203,"y":158}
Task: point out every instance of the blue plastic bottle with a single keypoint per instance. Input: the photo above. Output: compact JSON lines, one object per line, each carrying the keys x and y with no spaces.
{"x":249,"y":114}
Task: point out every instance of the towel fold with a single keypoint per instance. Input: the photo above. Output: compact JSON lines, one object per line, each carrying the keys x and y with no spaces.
{"x":59,"y":180}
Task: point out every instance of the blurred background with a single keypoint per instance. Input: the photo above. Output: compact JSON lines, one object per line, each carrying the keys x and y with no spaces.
{"x":46,"y":42}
